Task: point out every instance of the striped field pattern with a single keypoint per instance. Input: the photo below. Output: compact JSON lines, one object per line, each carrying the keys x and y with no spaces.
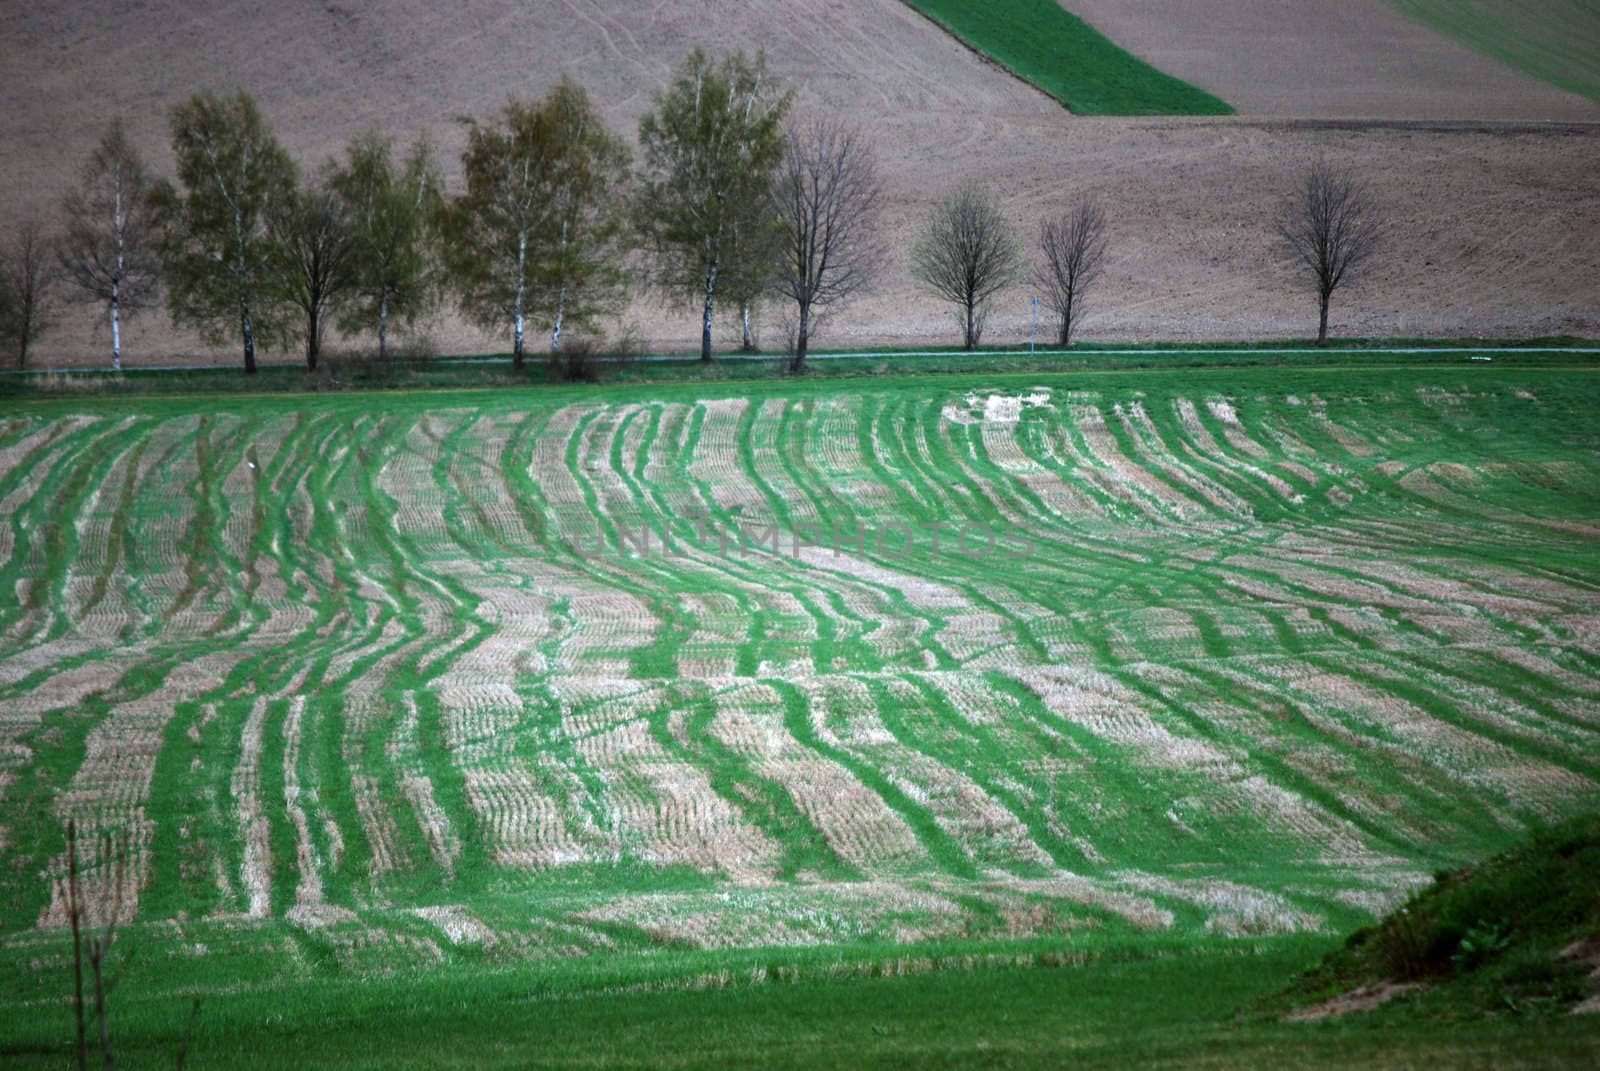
{"x":395,"y":681}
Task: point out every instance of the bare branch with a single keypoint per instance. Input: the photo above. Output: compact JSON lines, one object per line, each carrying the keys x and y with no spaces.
{"x":28,"y":281}
{"x":967,"y":254}
{"x":108,"y":255}
{"x":1074,"y":248}
{"x":1331,"y":227}
{"x":826,"y":196}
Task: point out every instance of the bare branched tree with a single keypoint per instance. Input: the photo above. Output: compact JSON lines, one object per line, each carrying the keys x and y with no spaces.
{"x":967,"y":253}
{"x":313,"y":252}
{"x":27,"y":289}
{"x":1332,"y":227}
{"x":1074,"y":248}
{"x":108,"y":255}
{"x":826,"y":194}
{"x":95,"y":940}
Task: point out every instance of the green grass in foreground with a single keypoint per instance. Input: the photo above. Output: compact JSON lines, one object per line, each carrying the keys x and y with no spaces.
{"x":1067,"y":58}
{"x":1557,"y":41}
{"x":1169,"y":1011}
{"x":493,"y":371}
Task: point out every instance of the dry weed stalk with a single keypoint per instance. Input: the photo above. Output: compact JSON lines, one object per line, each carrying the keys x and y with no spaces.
{"x":96,"y":941}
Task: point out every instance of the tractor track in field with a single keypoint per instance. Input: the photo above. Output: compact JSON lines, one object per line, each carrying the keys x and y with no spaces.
{"x":358,"y":697}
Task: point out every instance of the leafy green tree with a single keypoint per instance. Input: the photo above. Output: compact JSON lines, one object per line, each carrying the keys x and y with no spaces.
{"x":711,"y":145}
{"x":535,"y":234}
{"x":393,"y":214}
{"x":583,"y":277}
{"x":215,"y":240}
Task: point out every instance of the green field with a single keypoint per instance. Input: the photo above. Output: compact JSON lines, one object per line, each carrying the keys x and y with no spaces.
{"x":1067,"y":58}
{"x":400,"y":720}
{"x":1554,"y":40}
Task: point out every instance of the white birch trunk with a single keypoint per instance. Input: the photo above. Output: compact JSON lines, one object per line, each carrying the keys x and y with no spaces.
{"x":116,"y":332}
{"x":522,"y":290}
{"x":709,"y":320}
{"x":116,"y":283}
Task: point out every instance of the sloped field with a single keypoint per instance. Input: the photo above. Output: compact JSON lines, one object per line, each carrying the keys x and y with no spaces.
{"x":1373,"y":59}
{"x":1191,"y":202}
{"x":390,"y":682}
{"x":1554,"y":40}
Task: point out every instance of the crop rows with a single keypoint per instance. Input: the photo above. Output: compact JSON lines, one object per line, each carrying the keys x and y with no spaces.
{"x":538,"y":677}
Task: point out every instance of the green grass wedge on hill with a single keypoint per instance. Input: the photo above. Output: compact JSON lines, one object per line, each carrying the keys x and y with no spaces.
{"x":1043,"y":43}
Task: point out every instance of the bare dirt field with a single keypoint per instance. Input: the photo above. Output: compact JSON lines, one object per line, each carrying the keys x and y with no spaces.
{"x":1191,"y":200}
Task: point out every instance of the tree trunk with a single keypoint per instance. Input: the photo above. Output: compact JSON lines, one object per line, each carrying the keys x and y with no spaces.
{"x":383,"y":324}
{"x":96,"y":961}
{"x":313,"y":338}
{"x":116,"y":284}
{"x":116,"y":332}
{"x":1322,"y":323}
{"x":972,"y":327}
{"x":522,"y":291}
{"x":710,"y":312}
{"x":249,"y":329}
{"x":749,"y":343}
{"x":74,"y":914}
{"x":802,"y":341}
{"x":561,"y":315}
{"x":241,"y":277}
{"x":1066,"y":324}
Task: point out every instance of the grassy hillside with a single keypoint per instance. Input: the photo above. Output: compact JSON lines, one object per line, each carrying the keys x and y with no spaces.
{"x":1519,"y":932}
{"x":1068,"y":58}
{"x":385,"y":684}
{"x":1554,"y":40}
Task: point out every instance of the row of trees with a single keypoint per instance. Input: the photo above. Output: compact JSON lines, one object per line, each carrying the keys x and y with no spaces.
{"x":968,"y":252}
{"x":734,"y":202}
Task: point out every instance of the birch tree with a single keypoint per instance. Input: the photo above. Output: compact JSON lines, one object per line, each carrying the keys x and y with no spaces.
{"x":536,"y":236}
{"x":393,"y":215}
{"x":1074,"y":249}
{"x":108,"y":254}
{"x":27,"y":289}
{"x":1331,"y":228}
{"x":215,"y":242}
{"x":583,"y":276}
{"x":493,"y":229}
{"x":966,"y":254}
{"x":312,"y":259}
{"x":826,"y":195}
{"x":711,"y":144}
{"x":746,"y":278}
